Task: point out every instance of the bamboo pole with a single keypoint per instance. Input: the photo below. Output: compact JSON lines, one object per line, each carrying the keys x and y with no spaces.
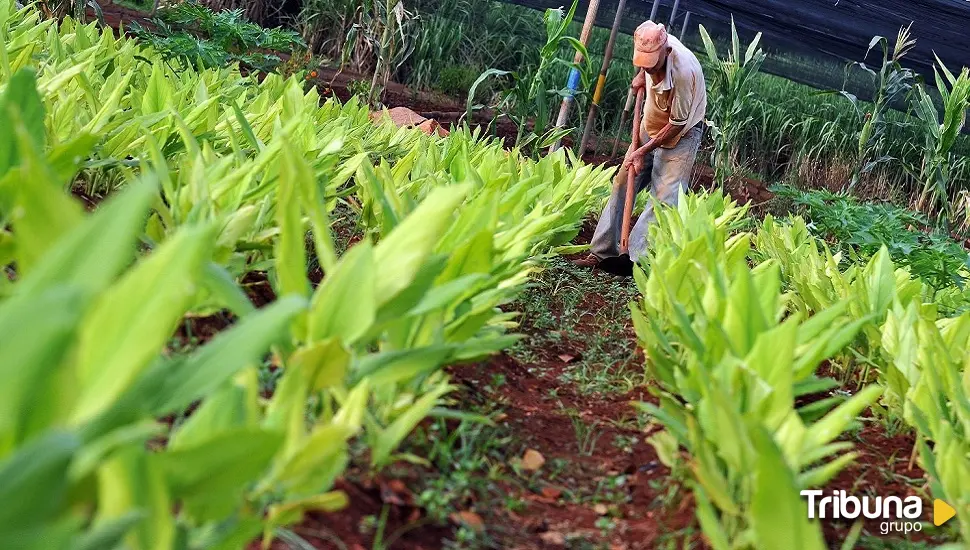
{"x":653,"y":11}
{"x":673,"y":15}
{"x":572,"y":84}
{"x":623,"y":117}
{"x":683,"y":29}
{"x":601,"y":81}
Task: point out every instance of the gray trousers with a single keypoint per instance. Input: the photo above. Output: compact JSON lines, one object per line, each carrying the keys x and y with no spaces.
{"x":668,"y":171}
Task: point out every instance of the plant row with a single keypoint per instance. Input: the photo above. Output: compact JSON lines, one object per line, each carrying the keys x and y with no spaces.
{"x":736,"y":327}
{"x":111,"y":434}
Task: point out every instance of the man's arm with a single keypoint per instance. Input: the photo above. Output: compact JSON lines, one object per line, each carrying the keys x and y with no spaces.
{"x":666,"y":134}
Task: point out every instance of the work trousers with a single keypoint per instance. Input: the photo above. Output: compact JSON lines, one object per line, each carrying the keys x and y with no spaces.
{"x":668,"y":171}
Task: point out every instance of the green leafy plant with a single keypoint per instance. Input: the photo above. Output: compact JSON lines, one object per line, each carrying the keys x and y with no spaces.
{"x":101,"y":371}
{"x":860,"y":230}
{"x":936,"y":171}
{"x":359,"y":88}
{"x":456,"y":80}
{"x":58,"y":9}
{"x":730,"y":89}
{"x":194,"y":33}
{"x":457,"y":227}
{"x":729,"y":358}
{"x":893,"y":82}
{"x":527,"y":101}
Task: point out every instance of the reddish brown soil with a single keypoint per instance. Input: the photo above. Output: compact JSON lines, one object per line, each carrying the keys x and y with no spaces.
{"x":533,"y":400}
{"x":258,"y":288}
{"x":882,"y":469}
{"x":346,"y":530}
{"x":116,"y":15}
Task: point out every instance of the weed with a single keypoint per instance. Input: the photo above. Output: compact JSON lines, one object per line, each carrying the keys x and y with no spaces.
{"x":359,"y":88}
{"x":496,"y":382}
{"x":624,"y":443}
{"x":612,"y":490}
{"x":194,"y":33}
{"x":606,"y":526}
{"x":586,"y":434}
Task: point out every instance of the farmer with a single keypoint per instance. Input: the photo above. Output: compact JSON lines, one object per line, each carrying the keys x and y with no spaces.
{"x":671,"y":129}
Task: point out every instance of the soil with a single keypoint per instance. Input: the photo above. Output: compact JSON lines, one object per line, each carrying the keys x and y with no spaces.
{"x":882,"y":469}
{"x":116,"y":15}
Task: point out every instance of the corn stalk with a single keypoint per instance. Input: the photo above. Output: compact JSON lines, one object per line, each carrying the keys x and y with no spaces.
{"x":730,"y":81}
{"x":894,"y":83}
{"x":938,"y":161}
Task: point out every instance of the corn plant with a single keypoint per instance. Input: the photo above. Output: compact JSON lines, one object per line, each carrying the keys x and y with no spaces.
{"x":936,"y":171}
{"x":730,"y":89}
{"x":893,"y":83}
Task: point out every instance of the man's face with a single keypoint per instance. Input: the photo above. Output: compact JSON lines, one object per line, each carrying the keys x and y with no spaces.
{"x":659,"y":66}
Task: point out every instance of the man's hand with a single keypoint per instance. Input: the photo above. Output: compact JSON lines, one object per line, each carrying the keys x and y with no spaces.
{"x":634,"y":162}
{"x":639,"y":81}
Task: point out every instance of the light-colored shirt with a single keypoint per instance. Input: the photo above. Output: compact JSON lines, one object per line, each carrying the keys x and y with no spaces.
{"x":679,"y":99}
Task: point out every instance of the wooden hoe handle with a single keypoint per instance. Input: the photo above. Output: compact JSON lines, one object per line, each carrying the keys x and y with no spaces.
{"x":631,"y":177}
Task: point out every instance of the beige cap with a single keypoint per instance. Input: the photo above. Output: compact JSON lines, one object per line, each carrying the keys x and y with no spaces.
{"x":648,"y":41}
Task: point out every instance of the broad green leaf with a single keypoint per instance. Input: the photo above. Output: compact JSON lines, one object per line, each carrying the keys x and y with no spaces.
{"x":157,"y":92}
{"x":710,"y":525}
{"x":224,"y":463}
{"x":403,"y":251}
{"x":314,"y":466}
{"x":236,"y":405}
{"x":345,"y":305}
{"x":35,"y":478}
{"x":384,"y":443}
{"x":291,"y":512}
{"x":129,"y":482}
{"x":220,"y":284}
{"x":839,"y":420}
{"x":20,"y":104}
{"x":393,"y":366}
{"x":778,"y":514}
{"x":818,"y":477}
{"x":95,"y":251}
{"x":44,"y":213}
{"x":41,"y":327}
{"x":66,"y":159}
{"x":242,"y":346}
{"x":131,"y":322}
{"x":108,"y":534}
{"x":94,"y":452}
{"x":323,"y":364}
{"x":290,"y":250}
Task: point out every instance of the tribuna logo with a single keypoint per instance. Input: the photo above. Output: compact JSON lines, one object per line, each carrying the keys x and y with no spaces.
{"x":840,"y":506}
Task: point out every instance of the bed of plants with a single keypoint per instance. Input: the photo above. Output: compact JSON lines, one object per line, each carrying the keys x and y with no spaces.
{"x":109,"y":432}
{"x":735,"y":326}
{"x":224,"y":296}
